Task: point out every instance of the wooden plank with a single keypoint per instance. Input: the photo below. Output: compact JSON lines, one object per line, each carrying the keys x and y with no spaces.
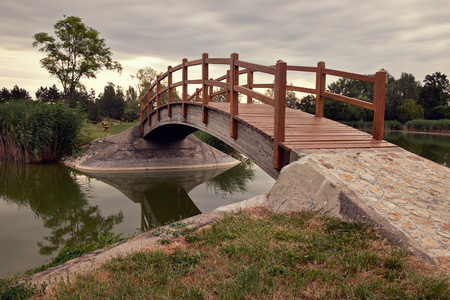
{"x":254,"y":94}
{"x":302,"y":69}
{"x":255,"y":67}
{"x":218,"y":61}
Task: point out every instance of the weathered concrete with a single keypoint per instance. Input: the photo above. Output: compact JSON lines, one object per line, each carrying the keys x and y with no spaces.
{"x":128,"y":151}
{"x":407,"y":197}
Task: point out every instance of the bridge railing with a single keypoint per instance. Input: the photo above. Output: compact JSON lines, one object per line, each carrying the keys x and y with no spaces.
{"x":229,"y":84}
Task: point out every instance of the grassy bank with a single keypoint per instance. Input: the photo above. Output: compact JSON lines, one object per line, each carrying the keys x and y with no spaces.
{"x":35,"y":132}
{"x":261,"y":255}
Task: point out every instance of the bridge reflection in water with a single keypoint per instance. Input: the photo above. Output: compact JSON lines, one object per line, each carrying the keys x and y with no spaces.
{"x":163,"y":195}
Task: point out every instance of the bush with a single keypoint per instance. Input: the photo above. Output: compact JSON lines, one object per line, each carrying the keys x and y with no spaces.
{"x":37,"y":132}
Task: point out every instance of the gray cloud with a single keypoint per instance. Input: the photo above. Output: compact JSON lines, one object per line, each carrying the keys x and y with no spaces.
{"x":358,"y":36}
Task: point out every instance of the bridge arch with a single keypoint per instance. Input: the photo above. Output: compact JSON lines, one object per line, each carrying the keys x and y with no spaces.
{"x":256,"y":145}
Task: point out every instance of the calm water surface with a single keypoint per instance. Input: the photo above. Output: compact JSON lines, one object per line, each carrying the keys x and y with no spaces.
{"x":44,"y":208}
{"x":435,"y":147}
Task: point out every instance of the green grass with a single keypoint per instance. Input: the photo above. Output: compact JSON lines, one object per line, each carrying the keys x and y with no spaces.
{"x":91,"y":131}
{"x":266,"y":256}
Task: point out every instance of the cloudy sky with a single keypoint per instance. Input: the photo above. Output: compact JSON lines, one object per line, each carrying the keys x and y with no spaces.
{"x":358,"y":36}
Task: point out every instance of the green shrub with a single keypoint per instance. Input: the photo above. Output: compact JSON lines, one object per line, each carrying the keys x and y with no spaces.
{"x":37,"y":132}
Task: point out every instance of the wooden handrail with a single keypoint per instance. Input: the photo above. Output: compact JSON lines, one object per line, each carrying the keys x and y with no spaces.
{"x":232,"y":88}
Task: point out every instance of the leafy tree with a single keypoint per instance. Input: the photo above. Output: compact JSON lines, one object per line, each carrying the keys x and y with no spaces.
{"x":435,"y":96}
{"x":111,"y":103}
{"x":131,"y":94}
{"x":19,"y":94}
{"x":143,"y":78}
{"x":307,"y":104}
{"x":409,"y":110}
{"x":337,"y":110}
{"x":398,"y":90}
{"x":51,"y":94}
{"x":132,"y":108}
{"x":5,"y":95}
{"x":352,"y":88}
{"x":86,"y":101}
{"x":76,"y":52}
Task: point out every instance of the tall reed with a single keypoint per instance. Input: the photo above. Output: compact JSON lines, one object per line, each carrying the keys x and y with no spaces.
{"x":37,"y":132}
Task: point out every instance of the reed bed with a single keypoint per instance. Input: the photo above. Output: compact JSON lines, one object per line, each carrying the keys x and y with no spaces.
{"x":32,"y":132}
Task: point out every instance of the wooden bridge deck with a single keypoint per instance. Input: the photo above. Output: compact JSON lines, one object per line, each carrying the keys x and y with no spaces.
{"x":303,"y":130}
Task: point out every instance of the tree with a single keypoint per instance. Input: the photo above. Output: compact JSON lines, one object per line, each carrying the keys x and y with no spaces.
{"x":51,"y":94}
{"x":398,"y":90}
{"x":19,"y":94}
{"x":5,"y":95}
{"x":111,"y":103}
{"x":435,"y":96}
{"x":307,"y":104}
{"x":76,"y":52}
{"x":409,"y":110}
{"x":143,"y":78}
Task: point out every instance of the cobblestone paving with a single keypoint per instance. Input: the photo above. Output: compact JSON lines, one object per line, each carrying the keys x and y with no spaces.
{"x":413,"y":193}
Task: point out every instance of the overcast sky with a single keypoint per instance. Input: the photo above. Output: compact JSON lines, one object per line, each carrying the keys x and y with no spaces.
{"x":358,"y":36}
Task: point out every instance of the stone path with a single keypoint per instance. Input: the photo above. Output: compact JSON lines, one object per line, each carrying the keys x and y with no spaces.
{"x":408,"y":191}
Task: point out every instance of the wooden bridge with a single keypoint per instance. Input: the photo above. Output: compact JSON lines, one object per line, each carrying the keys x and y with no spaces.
{"x":261,"y":128}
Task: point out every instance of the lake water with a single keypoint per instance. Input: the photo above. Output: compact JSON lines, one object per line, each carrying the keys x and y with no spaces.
{"x":44,"y":208}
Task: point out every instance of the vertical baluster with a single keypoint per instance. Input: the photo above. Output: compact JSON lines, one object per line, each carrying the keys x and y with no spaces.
{"x":379,"y":101}
{"x":279,"y":112}
{"x":320,"y":88}
{"x":249,"y":84}
{"x":169,"y":92}
{"x":158,"y":97}
{"x":228,"y":92}
{"x":185,"y":87}
{"x":205,"y":90}
{"x":234,"y":96}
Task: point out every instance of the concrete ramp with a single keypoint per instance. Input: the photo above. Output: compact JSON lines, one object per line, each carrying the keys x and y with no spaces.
{"x":406,"y":196}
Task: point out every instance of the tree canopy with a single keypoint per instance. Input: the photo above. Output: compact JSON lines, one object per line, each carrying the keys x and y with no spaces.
{"x":77,"y":51}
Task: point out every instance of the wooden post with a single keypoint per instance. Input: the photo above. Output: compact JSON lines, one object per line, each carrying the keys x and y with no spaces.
{"x":142,"y":115}
{"x":249,"y":84}
{"x":150,"y":108}
{"x":228,"y":92}
{"x":158,"y":97}
{"x":197,"y":95}
{"x":379,"y":101}
{"x":320,"y":88}
{"x":280,"y":112}
{"x":184,"y":87}
{"x":211,"y":91}
{"x":234,"y":96}
{"x":169,"y":92}
{"x":205,"y":90}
